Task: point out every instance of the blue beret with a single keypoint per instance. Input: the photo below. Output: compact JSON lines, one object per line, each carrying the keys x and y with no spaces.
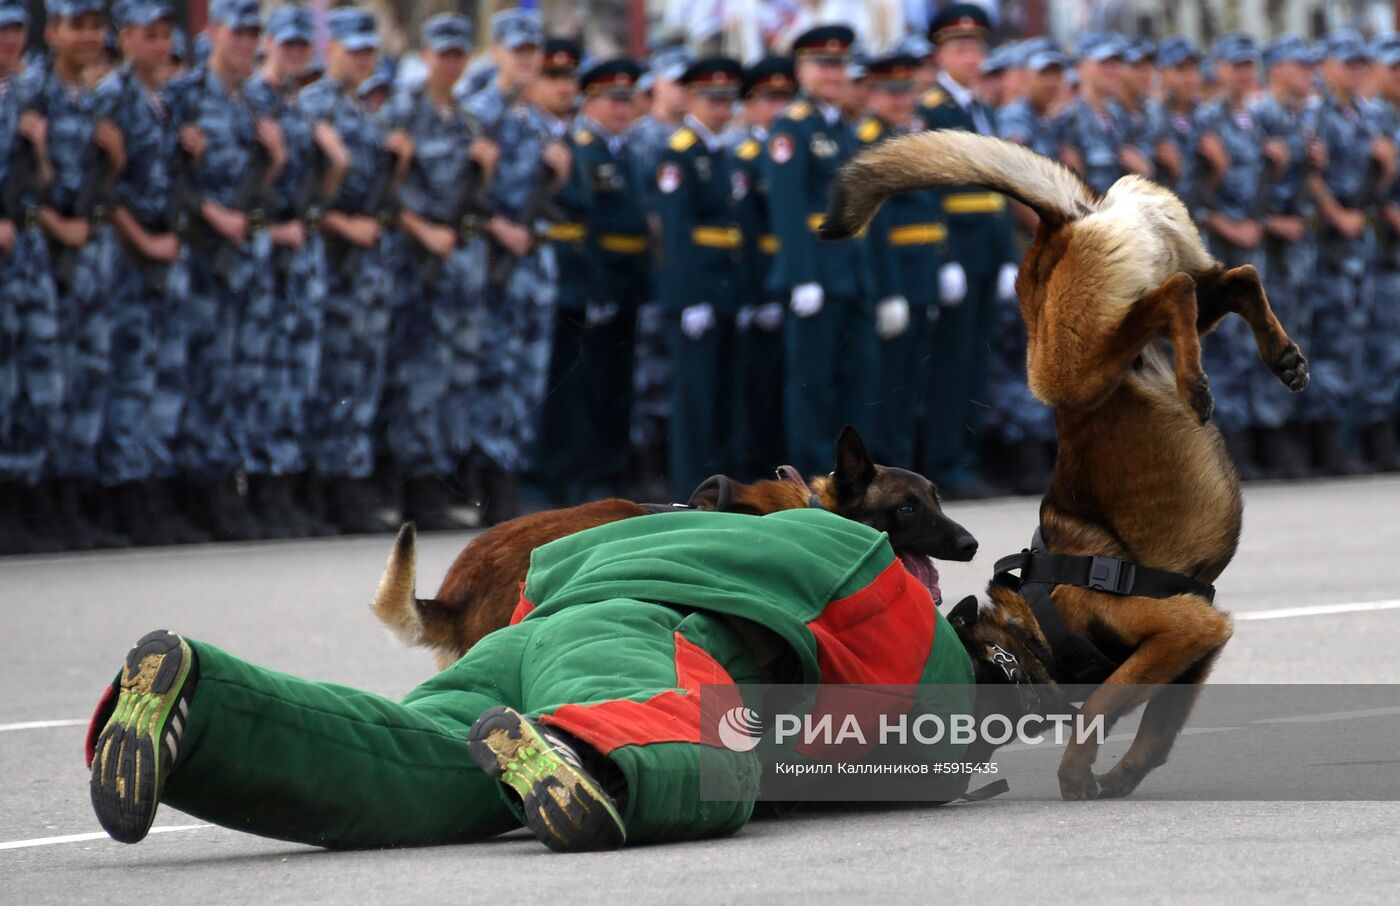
{"x":141,"y":12}
{"x":1177,"y":50}
{"x":12,"y":11}
{"x":1235,"y":48}
{"x":382,"y":77}
{"x":1102,"y":46}
{"x":1289,"y":49}
{"x":1001,"y":59}
{"x":1139,"y":50}
{"x":71,"y":9}
{"x":291,"y":23}
{"x":354,"y":29}
{"x":1041,"y":58}
{"x":1346,"y":45}
{"x":236,"y":13}
{"x":514,"y":28}
{"x":447,"y":31}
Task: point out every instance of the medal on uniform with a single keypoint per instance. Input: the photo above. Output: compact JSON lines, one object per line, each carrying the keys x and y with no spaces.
{"x":668,"y":178}
{"x":780,"y":149}
{"x":823,"y":147}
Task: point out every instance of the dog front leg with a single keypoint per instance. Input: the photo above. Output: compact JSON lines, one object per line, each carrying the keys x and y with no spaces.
{"x":1173,"y":635}
{"x":1240,"y":291}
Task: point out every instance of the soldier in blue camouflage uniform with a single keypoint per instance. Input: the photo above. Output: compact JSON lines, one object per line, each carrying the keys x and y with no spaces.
{"x":604,"y":257}
{"x":905,"y":247}
{"x":979,"y":276}
{"x":236,"y":154}
{"x":696,"y":194}
{"x":80,"y":259}
{"x":521,"y":294}
{"x":1135,"y":89}
{"x":295,"y":276}
{"x":435,"y":350}
{"x":1355,"y":159}
{"x":1290,"y":248}
{"x":31,"y":380}
{"x":651,"y":403}
{"x":767,"y":88}
{"x":134,"y":452}
{"x":355,"y":331}
{"x":1174,"y":113}
{"x":1021,"y":428}
{"x":1379,"y":391}
{"x":1228,"y":201}
{"x":829,"y":372}
{"x":1094,"y":128}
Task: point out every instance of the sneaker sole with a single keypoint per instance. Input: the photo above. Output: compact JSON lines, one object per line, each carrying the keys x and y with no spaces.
{"x":126,"y":766}
{"x":563,"y":806}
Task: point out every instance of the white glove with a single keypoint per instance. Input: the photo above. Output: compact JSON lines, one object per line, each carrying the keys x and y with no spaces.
{"x":891,"y":317}
{"x":744,"y":319}
{"x":769,"y":317}
{"x":598,"y":313}
{"x":1006,"y":282}
{"x":952,"y":284}
{"x":807,"y":299}
{"x":696,"y":320}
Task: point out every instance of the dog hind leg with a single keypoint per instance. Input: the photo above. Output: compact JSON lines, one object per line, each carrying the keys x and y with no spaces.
{"x":1240,"y":291}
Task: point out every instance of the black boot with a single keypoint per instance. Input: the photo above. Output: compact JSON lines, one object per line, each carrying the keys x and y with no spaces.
{"x":1241,"y":448}
{"x":1379,"y":441}
{"x":309,"y":494}
{"x":1283,"y":452}
{"x":161,"y":509}
{"x":352,"y":509}
{"x":131,"y":515}
{"x":227,"y":514}
{"x":39,"y":514}
{"x":270,"y":498}
{"x":498,"y":498}
{"x":1329,"y":455}
{"x":15,"y":536}
{"x":425,"y":502}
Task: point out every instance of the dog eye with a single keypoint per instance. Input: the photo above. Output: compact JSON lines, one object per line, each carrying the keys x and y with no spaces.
{"x":906,"y":509}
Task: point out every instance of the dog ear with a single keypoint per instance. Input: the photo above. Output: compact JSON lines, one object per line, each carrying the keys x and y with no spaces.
{"x":964,"y":613}
{"x":714,"y":493}
{"x":855,"y":470}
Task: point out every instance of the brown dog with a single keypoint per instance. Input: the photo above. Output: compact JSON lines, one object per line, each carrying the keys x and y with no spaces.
{"x":482,"y":586}
{"x":1141,"y":474}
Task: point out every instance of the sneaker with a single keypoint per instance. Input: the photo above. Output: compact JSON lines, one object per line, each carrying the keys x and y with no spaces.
{"x":132,"y":756}
{"x":564,"y":806}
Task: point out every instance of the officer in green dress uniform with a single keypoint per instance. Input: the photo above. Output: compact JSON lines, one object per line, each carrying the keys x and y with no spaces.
{"x":981,"y":266}
{"x":829,"y":333}
{"x":905,"y":246}
{"x":757,"y":421}
{"x":696,"y":190}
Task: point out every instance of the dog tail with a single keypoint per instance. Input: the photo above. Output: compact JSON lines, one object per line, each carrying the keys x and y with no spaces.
{"x":394,"y":601}
{"x":949,"y":157}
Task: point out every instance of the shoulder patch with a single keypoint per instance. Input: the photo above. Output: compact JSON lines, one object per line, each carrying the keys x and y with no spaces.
{"x":781,"y":148}
{"x":798,"y":110}
{"x":582,"y":137}
{"x":681,"y":139}
{"x":869,"y":130}
{"x":748,"y":149}
{"x":933,"y":97}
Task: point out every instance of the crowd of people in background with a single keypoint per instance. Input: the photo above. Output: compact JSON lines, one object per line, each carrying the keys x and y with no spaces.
{"x":250,"y":290}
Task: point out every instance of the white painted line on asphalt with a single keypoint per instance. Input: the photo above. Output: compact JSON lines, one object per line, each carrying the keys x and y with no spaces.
{"x":84,"y":838}
{"x":43,"y":724}
{"x":1317,"y":610}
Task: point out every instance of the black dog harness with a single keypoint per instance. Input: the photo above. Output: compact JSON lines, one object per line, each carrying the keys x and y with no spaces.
{"x":1074,"y":655}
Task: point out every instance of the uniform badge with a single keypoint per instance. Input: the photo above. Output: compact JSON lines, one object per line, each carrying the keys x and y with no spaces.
{"x":702,"y":167}
{"x":739,"y":184}
{"x":668,"y":178}
{"x":824,"y":147}
{"x":780,"y":149}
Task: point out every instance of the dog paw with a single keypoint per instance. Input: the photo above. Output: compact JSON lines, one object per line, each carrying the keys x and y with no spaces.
{"x":1200,"y":399}
{"x":1118,"y":783}
{"x":1078,"y":785}
{"x":1291,"y":367}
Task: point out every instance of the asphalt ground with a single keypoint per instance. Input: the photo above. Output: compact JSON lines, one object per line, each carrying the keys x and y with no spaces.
{"x":1316,"y":594}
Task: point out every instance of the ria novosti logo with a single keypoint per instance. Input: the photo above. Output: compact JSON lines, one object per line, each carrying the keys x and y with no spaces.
{"x":740,"y":729}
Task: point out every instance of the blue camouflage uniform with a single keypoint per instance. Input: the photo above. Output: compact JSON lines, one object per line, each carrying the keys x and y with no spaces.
{"x":355,"y":330}
{"x":519,"y":314}
{"x":651,"y":386}
{"x":226,"y":290}
{"x":1142,"y":127}
{"x":1175,"y":123}
{"x":1289,"y":266}
{"x":435,"y":345}
{"x":295,"y":277}
{"x":1015,"y":415}
{"x":1096,"y":135}
{"x":31,"y":374}
{"x":135,"y":441}
{"x":1237,"y":196}
{"x":1379,"y":389}
{"x":1343,"y":285}
{"x":80,"y":275}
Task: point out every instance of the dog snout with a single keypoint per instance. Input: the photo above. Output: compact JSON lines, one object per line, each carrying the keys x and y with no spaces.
{"x":964,"y":547}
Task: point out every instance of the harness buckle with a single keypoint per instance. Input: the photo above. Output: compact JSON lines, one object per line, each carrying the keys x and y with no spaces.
{"x":1111,"y":575}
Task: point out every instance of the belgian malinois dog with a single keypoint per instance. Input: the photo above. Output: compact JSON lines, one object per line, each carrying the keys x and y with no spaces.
{"x":482,"y":587}
{"x":1115,"y":291}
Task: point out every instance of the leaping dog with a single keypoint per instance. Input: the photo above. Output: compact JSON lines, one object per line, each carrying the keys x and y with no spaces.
{"x":1144,"y":509}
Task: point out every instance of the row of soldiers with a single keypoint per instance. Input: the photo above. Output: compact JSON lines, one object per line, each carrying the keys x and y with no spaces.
{"x":228,"y":295}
